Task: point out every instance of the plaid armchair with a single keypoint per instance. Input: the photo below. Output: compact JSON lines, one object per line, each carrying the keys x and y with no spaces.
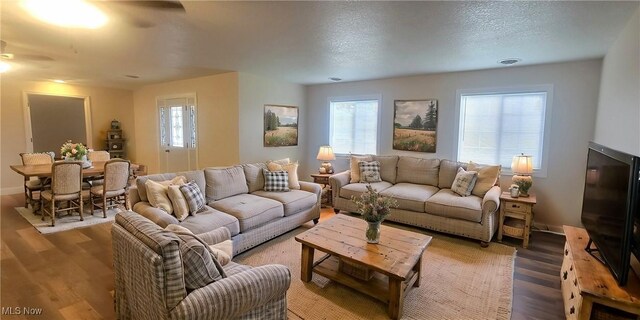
{"x":149,"y":279}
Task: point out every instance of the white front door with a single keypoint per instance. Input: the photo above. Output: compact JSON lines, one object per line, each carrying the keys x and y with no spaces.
{"x":178,"y":147}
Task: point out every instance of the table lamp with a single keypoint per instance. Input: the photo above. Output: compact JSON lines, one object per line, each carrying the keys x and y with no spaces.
{"x":325,"y":154}
{"x":522,"y":167}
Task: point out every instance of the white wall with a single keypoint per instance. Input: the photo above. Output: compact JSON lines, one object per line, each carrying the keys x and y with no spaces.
{"x":618,"y":116}
{"x":255,"y":92}
{"x":572,"y":122}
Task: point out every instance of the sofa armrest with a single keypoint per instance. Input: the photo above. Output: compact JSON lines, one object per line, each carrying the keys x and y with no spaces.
{"x":311,"y":187}
{"x":236,"y":295}
{"x":491,"y":200}
{"x":134,"y":196}
{"x":338,"y":181}
{"x":215,"y":236}
{"x":159,"y":217}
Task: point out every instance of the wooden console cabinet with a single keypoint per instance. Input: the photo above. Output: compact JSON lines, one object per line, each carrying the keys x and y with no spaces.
{"x":589,"y":290}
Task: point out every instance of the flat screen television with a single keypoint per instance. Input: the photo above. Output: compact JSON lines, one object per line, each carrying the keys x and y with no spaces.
{"x":611,"y":208}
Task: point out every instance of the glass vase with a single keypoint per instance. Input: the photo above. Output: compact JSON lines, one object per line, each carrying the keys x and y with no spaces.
{"x":373,"y":232}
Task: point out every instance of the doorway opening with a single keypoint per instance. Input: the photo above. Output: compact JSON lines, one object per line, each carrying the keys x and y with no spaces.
{"x":178,"y":133}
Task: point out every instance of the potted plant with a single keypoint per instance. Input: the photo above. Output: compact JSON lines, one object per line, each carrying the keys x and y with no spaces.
{"x":374,"y":209}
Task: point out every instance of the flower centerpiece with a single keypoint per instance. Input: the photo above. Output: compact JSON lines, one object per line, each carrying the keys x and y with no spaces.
{"x":75,"y":151}
{"x":374,"y":209}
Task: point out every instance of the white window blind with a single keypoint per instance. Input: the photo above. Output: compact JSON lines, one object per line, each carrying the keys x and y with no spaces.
{"x":495,"y":127}
{"x":354,"y":126}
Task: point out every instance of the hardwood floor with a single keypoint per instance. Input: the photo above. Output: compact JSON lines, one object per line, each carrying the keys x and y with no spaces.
{"x":69,"y":275}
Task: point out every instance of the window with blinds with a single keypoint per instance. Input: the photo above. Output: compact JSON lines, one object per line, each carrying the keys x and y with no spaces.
{"x":354,"y":126}
{"x":494,"y":127}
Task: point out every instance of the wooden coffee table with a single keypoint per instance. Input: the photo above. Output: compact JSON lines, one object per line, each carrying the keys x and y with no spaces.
{"x":396,"y":259}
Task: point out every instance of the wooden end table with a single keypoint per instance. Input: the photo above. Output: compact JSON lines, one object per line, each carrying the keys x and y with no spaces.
{"x":396,"y":260}
{"x":518,"y":208}
{"x":323,"y":179}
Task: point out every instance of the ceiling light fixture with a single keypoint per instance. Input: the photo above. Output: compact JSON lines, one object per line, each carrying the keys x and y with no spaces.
{"x":4,"y":67}
{"x":509,"y":61}
{"x":335,"y":79}
{"x":59,"y":81}
{"x":66,"y":13}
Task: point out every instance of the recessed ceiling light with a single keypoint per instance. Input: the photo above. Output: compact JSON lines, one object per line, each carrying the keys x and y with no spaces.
{"x":59,"y":81}
{"x":509,"y":61}
{"x":66,"y":13}
{"x":132,"y":76}
{"x":335,"y":79}
{"x":4,"y":67}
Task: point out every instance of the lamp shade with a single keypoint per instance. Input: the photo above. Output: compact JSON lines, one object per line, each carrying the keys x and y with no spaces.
{"x":326,"y":154}
{"x":522,"y":164}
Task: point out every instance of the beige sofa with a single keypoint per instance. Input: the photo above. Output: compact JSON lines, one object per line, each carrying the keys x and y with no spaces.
{"x":235,"y":200}
{"x":422,"y":190}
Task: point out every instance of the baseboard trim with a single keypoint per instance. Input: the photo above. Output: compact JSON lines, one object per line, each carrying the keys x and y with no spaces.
{"x":11,"y":190}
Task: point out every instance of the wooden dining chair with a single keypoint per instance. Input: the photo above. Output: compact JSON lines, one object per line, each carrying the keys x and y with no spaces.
{"x":115,"y":187}
{"x":66,"y":185}
{"x":34,"y":184}
{"x":101,"y":156}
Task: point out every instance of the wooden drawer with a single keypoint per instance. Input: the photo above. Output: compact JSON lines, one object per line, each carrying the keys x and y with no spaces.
{"x":517,"y":207}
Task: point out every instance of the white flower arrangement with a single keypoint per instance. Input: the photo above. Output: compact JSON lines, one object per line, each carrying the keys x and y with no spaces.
{"x":72,"y":150}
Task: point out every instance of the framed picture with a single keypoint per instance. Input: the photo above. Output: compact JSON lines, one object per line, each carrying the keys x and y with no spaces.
{"x":280,"y":126}
{"x":415,"y":124}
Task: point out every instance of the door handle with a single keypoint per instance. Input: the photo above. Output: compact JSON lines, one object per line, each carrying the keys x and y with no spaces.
{"x":167,"y":151}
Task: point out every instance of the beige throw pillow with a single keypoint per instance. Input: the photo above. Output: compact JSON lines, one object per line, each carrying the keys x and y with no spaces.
{"x":355,"y":168}
{"x":291,"y":169}
{"x":487,"y":177}
{"x":180,"y":206}
{"x":223,"y":251}
{"x":157,"y":192}
{"x":464,"y":182}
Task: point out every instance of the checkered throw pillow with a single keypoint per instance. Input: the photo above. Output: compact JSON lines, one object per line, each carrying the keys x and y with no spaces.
{"x":193,"y":195}
{"x":464,"y":182}
{"x":276,"y":181}
{"x":369,"y":171}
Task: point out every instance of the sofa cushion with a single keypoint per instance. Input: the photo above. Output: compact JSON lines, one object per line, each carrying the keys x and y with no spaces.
{"x":418,"y":170}
{"x":388,"y":167}
{"x":356,"y":189}
{"x":369,"y":171}
{"x":290,"y":168}
{"x":158,"y":216}
{"x":196,"y":175}
{"x":464,"y":182}
{"x":448,"y":171}
{"x":446,"y":203}
{"x":355,"y":169}
{"x":410,"y":196}
{"x":254,"y":176}
{"x":293,"y":201}
{"x":211,"y":219}
{"x":158,"y":196}
{"x":224,"y":182}
{"x":250,"y":210}
{"x":487,"y":178}
{"x":180,"y":205}
{"x":276,"y":181}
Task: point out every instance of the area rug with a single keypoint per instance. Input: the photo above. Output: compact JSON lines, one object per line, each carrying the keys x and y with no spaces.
{"x":461,"y":280}
{"x":67,"y":222}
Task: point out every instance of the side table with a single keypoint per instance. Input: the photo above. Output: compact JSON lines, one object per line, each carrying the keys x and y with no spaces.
{"x":323,"y":179}
{"x":520,"y":208}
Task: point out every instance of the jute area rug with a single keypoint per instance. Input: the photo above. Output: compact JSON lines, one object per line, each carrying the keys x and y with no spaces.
{"x":461,"y":280}
{"x":67,"y":222}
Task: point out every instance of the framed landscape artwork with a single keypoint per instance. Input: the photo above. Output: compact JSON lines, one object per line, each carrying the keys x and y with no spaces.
{"x":280,"y":126}
{"x":414,"y":125}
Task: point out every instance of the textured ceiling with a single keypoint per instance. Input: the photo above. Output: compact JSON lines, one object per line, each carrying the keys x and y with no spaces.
{"x":308,"y":42}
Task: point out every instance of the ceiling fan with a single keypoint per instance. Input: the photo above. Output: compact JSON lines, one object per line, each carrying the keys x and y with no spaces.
{"x":9,"y":56}
{"x":121,"y":8}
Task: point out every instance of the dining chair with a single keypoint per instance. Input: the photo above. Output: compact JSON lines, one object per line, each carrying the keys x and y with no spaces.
{"x":66,"y":185}
{"x":34,"y":184}
{"x":115,"y":187}
{"x":92,"y":156}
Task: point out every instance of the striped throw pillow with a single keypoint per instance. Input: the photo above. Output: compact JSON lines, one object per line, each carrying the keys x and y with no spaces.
{"x":464,"y":182}
{"x":277,"y":181}
{"x":193,"y":195}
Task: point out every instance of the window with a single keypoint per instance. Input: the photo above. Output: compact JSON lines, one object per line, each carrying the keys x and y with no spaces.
{"x":354,"y":125}
{"x":495,"y":126}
